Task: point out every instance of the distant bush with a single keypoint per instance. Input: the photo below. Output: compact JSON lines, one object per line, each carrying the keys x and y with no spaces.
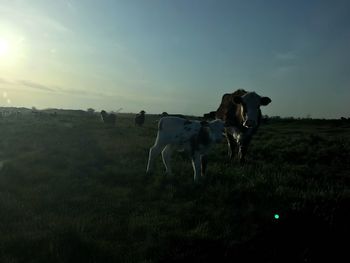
{"x":90,"y":111}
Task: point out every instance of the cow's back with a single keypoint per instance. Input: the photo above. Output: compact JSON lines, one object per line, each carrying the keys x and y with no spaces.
{"x":169,"y":123}
{"x":177,"y":131}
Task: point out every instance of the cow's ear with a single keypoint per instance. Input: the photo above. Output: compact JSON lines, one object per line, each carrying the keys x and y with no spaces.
{"x":265,"y":101}
{"x":237,"y":99}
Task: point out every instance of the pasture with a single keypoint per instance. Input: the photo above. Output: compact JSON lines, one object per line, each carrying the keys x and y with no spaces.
{"x":74,"y":190}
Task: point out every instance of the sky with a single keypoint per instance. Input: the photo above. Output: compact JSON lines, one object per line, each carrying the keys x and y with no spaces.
{"x":178,"y":56}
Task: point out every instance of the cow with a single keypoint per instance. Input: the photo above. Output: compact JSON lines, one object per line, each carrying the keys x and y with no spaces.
{"x":165,"y":114}
{"x":192,"y":136}
{"x":140,"y":118}
{"x":241,"y":113}
{"x":108,"y":118}
{"x":209,"y":116}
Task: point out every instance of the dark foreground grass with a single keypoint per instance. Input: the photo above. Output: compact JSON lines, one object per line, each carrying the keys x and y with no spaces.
{"x":74,"y":190}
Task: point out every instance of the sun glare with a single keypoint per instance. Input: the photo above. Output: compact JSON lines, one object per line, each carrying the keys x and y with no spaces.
{"x":4,"y":47}
{"x":11,"y":49}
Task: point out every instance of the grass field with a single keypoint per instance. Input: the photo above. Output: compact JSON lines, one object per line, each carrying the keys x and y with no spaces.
{"x":75,"y":190}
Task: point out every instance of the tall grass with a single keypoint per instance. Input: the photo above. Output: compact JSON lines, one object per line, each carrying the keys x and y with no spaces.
{"x":75,"y":190}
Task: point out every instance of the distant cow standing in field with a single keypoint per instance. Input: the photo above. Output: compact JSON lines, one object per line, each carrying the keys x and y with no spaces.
{"x":242,"y":115}
{"x":194,"y":137}
{"x":108,"y":118}
{"x":165,"y":114}
{"x":140,"y":118}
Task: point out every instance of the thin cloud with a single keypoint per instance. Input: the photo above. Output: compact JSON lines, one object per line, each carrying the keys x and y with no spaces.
{"x":287,"y":56}
{"x":81,"y":92}
{"x":54,"y":24}
{"x":285,"y":63}
{"x":282,"y":71}
{"x":46,"y":22}
{"x":31,"y":17}
{"x":4,"y":81}
{"x":35,"y":85}
{"x":70,"y":6}
{"x":58,"y":89}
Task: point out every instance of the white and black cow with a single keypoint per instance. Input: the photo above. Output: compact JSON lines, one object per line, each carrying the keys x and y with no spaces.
{"x":108,"y":118}
{"x":241,"y":113}
{"x":192,"y":136}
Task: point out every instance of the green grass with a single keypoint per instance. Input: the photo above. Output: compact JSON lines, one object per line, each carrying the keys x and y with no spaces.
{"x":75,"y":190}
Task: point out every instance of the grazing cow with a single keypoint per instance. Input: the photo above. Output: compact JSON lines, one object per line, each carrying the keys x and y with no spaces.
{"x":242,"y":115}
{"x":108,"y":118}
{"x":140,"y":118}
{"x":179,"y":134}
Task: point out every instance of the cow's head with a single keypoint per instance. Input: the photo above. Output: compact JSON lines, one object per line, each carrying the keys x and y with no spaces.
{"x":250,"y":108}
{"x":103,"y":114}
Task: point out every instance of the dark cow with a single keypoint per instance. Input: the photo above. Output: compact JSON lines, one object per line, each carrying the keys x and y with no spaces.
{"x":210,"y":115}
{"x":140,"y":118}
{"x":193,"y":137}
{"x":242,"y":115}
{"x":165,"y":114}
{"x":108,"y":118}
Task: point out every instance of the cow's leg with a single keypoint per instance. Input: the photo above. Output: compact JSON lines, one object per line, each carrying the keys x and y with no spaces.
{"x":242,"y":153}
{"x":243,"y":147}
{"x":204,"y":163}
{"x":231,"y":145}
{"x":196,"y":164}
{"x":166,"y":156}
{"x":153,"y":153}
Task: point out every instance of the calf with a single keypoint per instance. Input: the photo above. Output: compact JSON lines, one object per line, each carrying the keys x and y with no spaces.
{"x":193,"y":137}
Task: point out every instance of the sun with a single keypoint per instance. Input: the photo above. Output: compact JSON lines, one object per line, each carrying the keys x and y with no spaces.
{"x":11,"y":50}
{"x":4,"y":47}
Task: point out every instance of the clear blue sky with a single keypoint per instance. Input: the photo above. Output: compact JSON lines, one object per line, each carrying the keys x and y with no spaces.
{"x":177,"y":56}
